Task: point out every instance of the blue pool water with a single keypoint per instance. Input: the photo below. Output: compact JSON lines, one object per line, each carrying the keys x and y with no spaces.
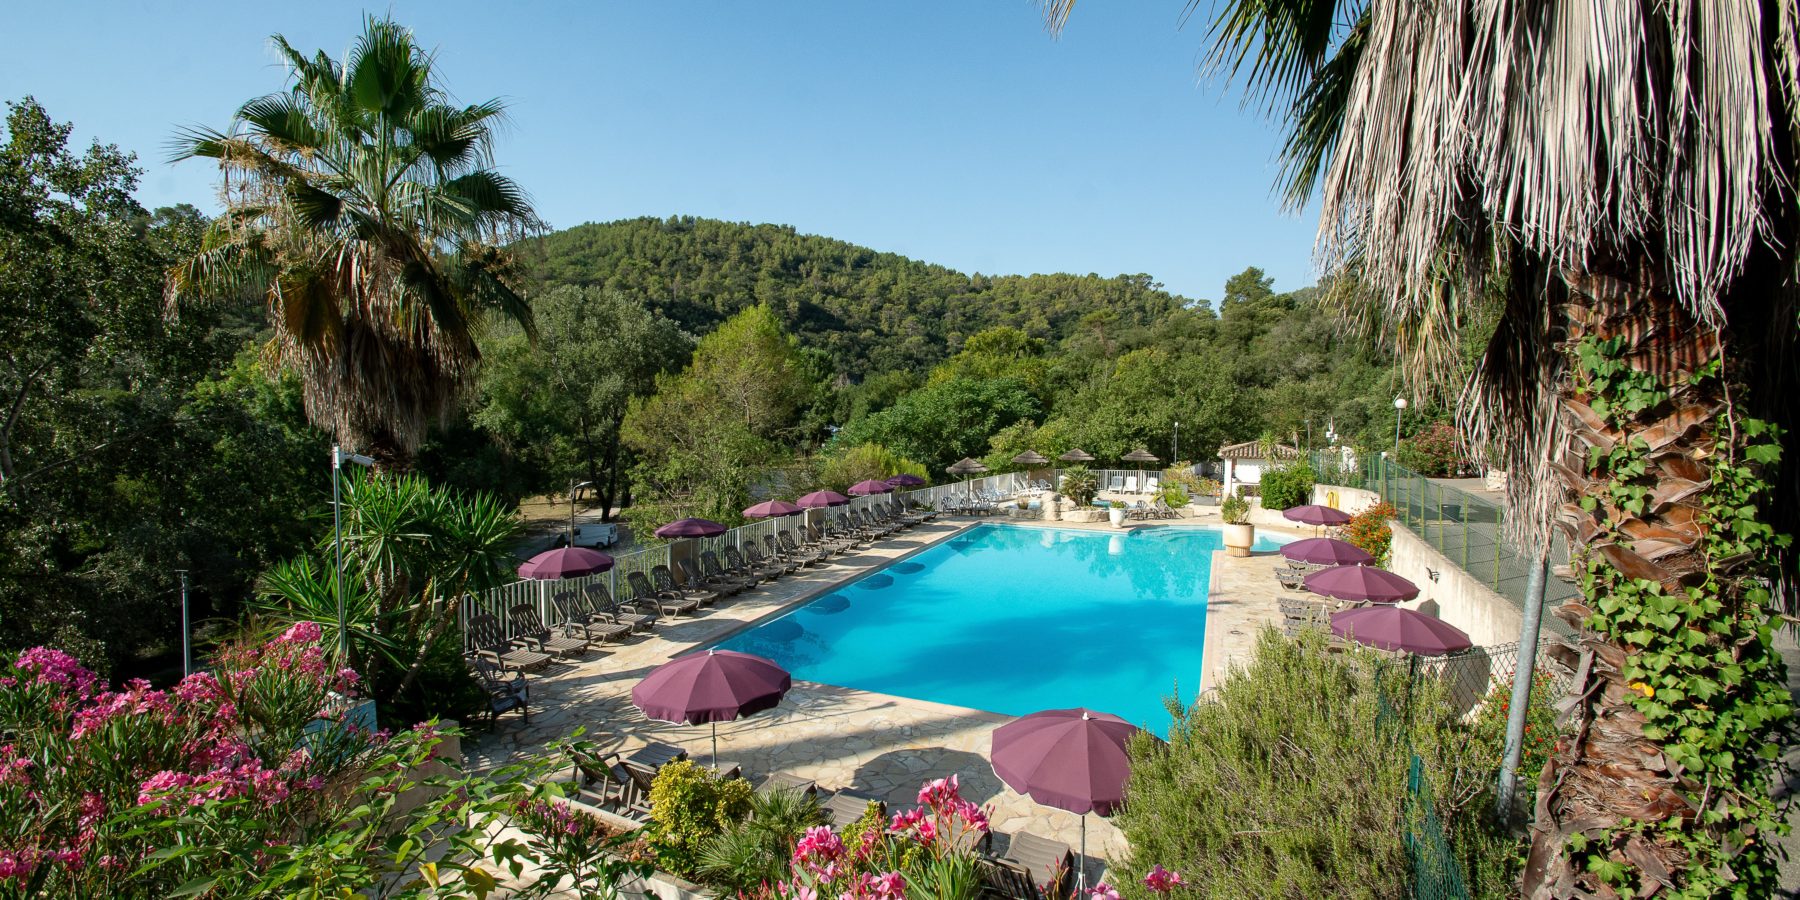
{"x":1016,"y":619}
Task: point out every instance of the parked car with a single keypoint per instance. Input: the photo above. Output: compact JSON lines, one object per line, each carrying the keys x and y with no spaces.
{"x":594,"y":535}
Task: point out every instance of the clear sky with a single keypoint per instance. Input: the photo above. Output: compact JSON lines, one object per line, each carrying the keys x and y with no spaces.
{"x":953,"y":132}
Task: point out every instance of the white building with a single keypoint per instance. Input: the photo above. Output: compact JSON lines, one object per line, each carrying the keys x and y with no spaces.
{"x":1245,"y":463}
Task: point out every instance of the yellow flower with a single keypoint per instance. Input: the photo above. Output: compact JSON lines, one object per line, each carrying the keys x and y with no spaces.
{"x":1643,"y":688}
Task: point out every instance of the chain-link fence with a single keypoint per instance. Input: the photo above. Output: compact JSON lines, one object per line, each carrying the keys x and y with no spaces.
{"x":1477,"y":685}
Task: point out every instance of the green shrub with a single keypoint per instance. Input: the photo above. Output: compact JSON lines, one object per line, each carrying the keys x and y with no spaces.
{"x":443,"y":690}
{"x":1174,"y":495}
{"x":1235,"y":510}
{"x":689,"y":806}
{"x":756,"y":850}
{"x":1080,"y":484}
{"x":1288,"y":486}
{"x":1283,"y":784}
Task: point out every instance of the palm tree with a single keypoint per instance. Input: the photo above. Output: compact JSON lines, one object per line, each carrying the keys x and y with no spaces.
{"x":1620,"y":176}
{"x":361,"y":208}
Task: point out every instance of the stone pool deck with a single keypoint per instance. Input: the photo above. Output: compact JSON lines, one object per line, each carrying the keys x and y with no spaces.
{"x":841,"y":738}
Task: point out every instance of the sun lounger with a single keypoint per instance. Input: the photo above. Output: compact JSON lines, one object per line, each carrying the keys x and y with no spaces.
{"x":756,"y":558}
{"x":761,"y":569}
{"x":504,"y":692}
{"x":528,"y":628}
{"x":807,"y":557}
{"x":593,"y":625}
{"x":489,"y":642}
{"x":600,"y":600}
{"x":691,"y":576}
{"x":844,"y":808}
{"x":602,"y":780}
{"x":716,"y":571}
{"x":781,"y":781}
{"x":1030,"y":868}
{"x":666,"y":586}
{"x":646,"y":597}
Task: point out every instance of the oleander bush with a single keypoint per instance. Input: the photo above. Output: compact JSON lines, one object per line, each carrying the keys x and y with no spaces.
{"x":247,"y":781}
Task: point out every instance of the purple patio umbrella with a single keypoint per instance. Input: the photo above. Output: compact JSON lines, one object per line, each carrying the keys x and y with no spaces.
{"x":822,"y":499}
{"x":1327,"y":552}
{"x":1314,"y":514}
{"x":865,"y":488}
{"x":769,"y":509}
{"x":711,"y":687}
{"x":565,"y":562}
{"x":690,"y":528}
{"x":1071,"y":759}
{"x":1361,"y":583}
{"x":1395,"y":628}
{"x":906,"y":480}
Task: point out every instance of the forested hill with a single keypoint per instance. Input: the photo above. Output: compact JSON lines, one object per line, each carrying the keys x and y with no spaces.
{"x":871,"y":311}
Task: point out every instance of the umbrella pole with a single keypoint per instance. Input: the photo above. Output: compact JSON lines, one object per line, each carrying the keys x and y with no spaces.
{"x":715,"y":730}
{"x":1081,"y":861}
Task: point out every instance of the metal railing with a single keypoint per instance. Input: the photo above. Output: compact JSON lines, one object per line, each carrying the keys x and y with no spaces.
{"x":1465,"y":528}
{"x":499,"y":602}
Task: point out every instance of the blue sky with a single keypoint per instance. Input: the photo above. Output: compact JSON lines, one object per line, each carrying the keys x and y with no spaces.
{"x":954,"y":132}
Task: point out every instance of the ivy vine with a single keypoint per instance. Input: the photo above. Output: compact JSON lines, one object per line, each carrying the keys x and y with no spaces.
{"x":1700,"y":662}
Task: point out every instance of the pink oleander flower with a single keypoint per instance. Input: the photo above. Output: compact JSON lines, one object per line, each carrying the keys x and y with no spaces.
{"x":797,"y":892}
{"x":161,"y":784}
{"x":59,"y":669}
{"x":820,"y":848}
{"x":15,"y":768}
{"x":1103,"y":891}
{"x":936,"y":793}
{"x":17,"y":864}
{"x":200,"y":688}
{"x":300,"y":633}
{"x":890,"y":886}
{"x":1162,"y":880}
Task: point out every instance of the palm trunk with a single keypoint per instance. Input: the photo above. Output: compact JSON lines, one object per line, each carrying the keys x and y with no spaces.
{"x":1605,"y":770}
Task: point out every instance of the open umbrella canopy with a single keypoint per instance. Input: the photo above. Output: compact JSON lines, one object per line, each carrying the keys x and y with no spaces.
{"x":1361,"y":583}
{"x":865,"y":488}
{"x":822,"y":499}
{"x":690,"y":528}
{"x":769,"y":509}
{"x":1071,"y":759}
{"x":1395,"y":628}
{"x":1313,"y":514}
{"x":1327,"y":552}
{"x":1139,"y":455}
{"x":906,"y":479}
{"x":715,"y":686}
{"x":966,"y":466}
{"x":1031,"y":458}
{"x":565,"y":562}
{"x":1076,"y":455}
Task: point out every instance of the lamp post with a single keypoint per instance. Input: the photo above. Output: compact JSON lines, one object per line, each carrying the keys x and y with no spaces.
{"x":1399,"y":410}
{"x":1175,"y":456}
{"x":1308,"y":433}
{"x":187,"y":652}
{"x":573,"y":487}
{"x":338,"y":458}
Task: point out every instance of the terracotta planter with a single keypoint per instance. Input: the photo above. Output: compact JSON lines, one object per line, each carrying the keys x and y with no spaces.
{"x":1239,"y":539}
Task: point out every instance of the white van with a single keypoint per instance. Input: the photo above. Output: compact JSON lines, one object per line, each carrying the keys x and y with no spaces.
{"x":593,"y":534}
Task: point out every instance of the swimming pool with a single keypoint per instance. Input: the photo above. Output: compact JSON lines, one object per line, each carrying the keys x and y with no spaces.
{"x":1014,"y":619}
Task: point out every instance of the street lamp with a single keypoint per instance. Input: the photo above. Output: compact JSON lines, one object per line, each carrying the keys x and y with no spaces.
{"x":1399,"y":410}
{"x":1175,"y":456}
{"x":338,"y":458}
{"x":573,"y":487}
{"x":187,"y":651}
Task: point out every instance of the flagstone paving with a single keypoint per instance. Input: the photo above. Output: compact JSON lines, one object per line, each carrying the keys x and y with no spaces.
{"x":841,"y":738}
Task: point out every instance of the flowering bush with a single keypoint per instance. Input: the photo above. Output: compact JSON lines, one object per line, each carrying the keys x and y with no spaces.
{"x":1369,"y":530}
{"x":243,"y":782}
{"x":1540,"y":726}
{"x":928,"y":850}
{"x":1432,"y":452}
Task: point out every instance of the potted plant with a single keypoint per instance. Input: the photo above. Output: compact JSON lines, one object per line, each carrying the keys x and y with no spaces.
{"x":1116,"y":513}
{"x":1240,"y":535}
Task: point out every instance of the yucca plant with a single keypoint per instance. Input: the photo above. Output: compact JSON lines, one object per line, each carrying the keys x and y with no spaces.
{"x":1619,"y":178}
{"x":361,"y":207}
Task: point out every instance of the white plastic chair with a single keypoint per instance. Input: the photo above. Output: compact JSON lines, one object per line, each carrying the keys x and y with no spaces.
{"x":1131,"y":484}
